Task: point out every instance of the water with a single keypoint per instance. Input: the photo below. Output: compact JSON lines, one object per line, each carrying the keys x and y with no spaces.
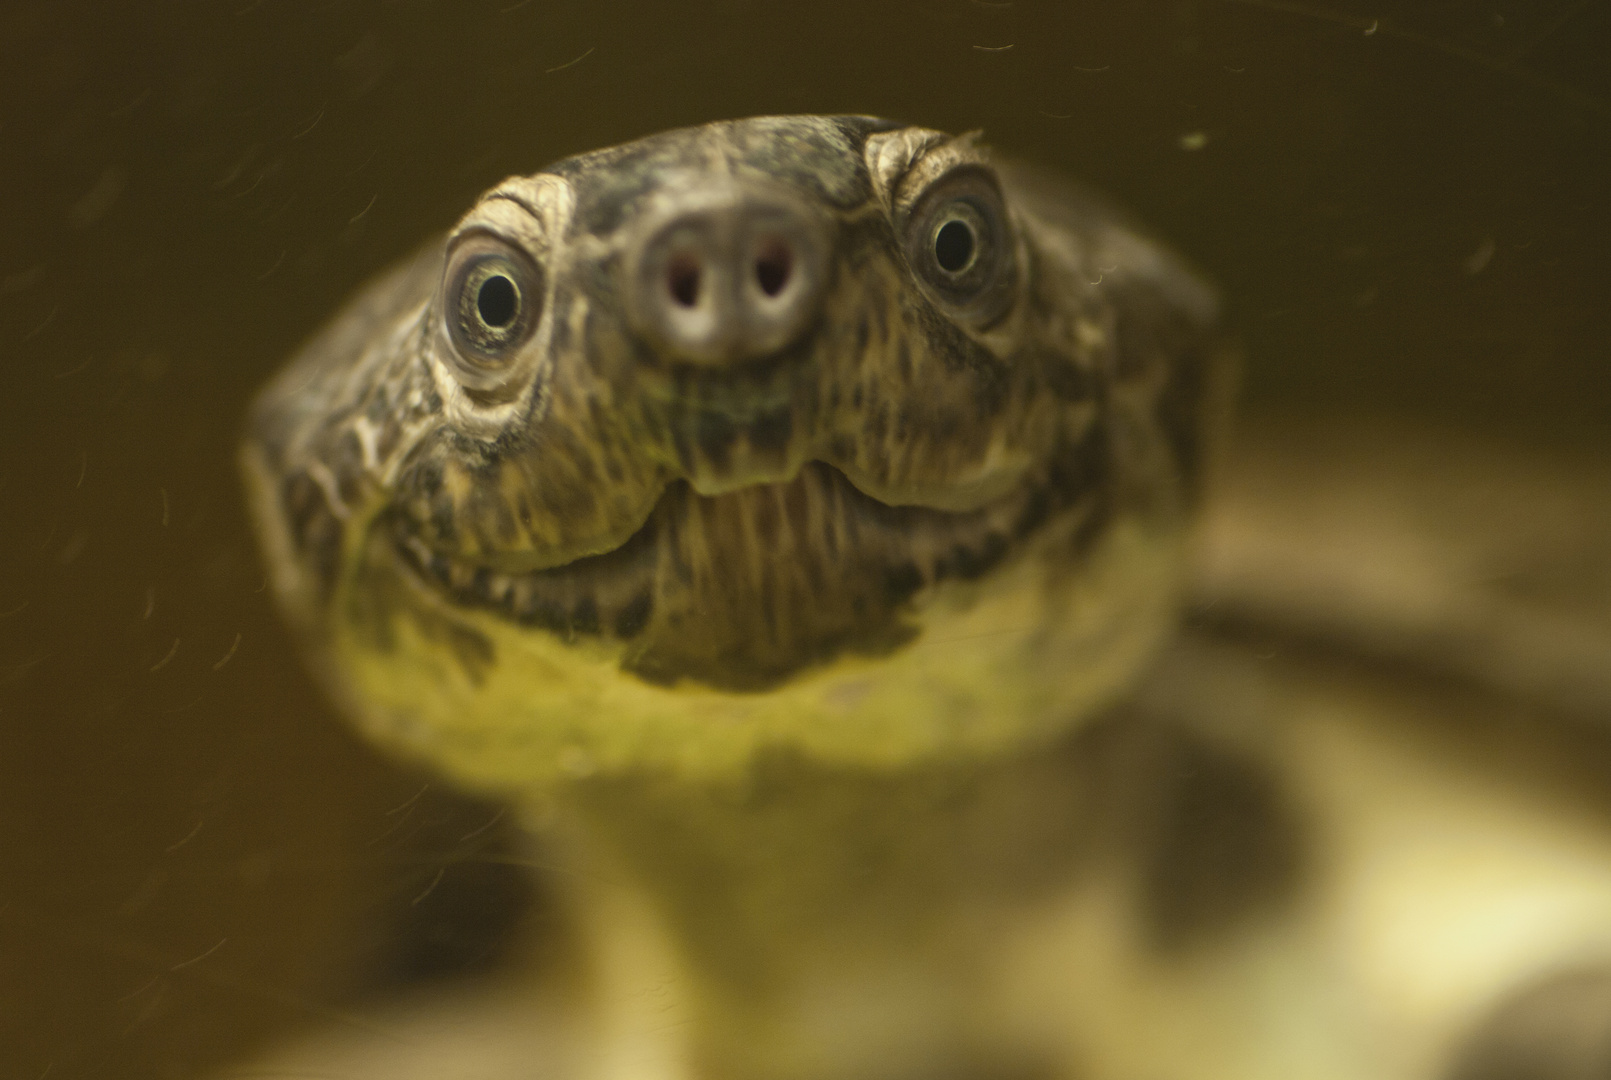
{"x":1404,"y":203}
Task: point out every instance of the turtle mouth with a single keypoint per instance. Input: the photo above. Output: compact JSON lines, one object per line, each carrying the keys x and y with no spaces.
{"x":743,"y":589}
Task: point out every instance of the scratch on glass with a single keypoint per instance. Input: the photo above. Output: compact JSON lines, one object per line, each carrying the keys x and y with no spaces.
{"x":230,"y":654}
{"x":437,"y":880}
{"x":264,"y":275}
{"x":473,"y":833}
{"x":203,"y":956}
{"x":354,"y":219}
{"x":571,"y":63}
{"x":131,"y":106}
{"x":410,"y":801}
{"x":173,"y":650}
{"x":40,"y":329}
{"x":189,"y":836}
{"x":315,"y":123}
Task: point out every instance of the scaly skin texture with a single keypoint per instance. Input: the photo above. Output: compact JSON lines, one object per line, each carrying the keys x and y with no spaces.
{"x":773,"y":643}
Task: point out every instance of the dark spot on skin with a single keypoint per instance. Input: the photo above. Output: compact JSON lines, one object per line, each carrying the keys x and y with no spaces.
{"x":585,"y":616}
{"x":561,"y":339}
{"x":632,"y":618}
{"x":473,"y":652}
{"x":715,"y":434}
{"x":1180,"y":407}
{"x":1081,"y":467}
{"x":969,"y":565}
{"x":347,"y":463}
{"x":771,"y":431}
{"x":960,"y":353}
{"x":828,"y":537}
{"x":543,"y":612}
{"x":1096,"y":523}
{"x":390,"y":432}
{"x":315,"y":530}
{"x":682,"y":447}
{"x":901,"y":581}
{"x":489,"y":507}
{"x":652,"y":670}
{"x":379,"y":409}
{"x":577,"y":453}
{"x":1035,"y":512}
{"x":303,"y":502}
{"x":767,"y":599}
{"x":428,"y":478}
{"x":903,"y":361}
{"x":443,"y":520}
{"x":766,"y":522}
{"x":613,"y":180}
{"x":372,"y":612}
{"x":856,"y":397}
{"x":1066,"y":380}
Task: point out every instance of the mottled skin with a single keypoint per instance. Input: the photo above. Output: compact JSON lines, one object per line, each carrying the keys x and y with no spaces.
{"x":773,"y":639}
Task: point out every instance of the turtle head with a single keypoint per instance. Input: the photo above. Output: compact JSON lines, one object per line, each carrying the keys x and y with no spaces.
{"x":824,"y":434}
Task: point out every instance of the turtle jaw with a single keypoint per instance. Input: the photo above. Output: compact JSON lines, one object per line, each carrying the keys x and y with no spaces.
{"x":746,"y":589}
{"x":967,"y":669}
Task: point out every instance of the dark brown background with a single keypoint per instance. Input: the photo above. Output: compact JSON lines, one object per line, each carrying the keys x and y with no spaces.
{"x":194,"y":854}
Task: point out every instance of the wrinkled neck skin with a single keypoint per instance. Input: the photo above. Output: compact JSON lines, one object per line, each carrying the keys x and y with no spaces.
{"x":814,"y":921}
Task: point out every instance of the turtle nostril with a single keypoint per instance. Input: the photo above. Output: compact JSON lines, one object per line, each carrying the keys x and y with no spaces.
{"x":772,"y":267}
{"x":722,"y":276}
{"x":682,"y":278}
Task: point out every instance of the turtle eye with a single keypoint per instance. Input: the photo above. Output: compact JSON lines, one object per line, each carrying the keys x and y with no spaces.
{"x":960,"y":245}
{"x":491,"y":301}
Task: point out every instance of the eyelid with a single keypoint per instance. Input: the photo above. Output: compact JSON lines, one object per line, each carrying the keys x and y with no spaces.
{"x":890,"y":156}
{"x":931,"y":165}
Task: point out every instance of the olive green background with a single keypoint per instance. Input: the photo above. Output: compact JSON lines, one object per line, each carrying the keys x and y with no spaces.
{"x":1406,"y":203}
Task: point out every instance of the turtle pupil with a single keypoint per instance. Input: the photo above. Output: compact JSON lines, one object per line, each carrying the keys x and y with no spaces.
{"x":496,"y":301}
{"x":953,"y":246}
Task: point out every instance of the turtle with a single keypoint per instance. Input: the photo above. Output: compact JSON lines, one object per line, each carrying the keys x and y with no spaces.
{"x":793,"y":520}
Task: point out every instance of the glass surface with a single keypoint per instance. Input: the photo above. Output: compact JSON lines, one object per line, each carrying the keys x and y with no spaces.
{"x":1404,"y":203}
